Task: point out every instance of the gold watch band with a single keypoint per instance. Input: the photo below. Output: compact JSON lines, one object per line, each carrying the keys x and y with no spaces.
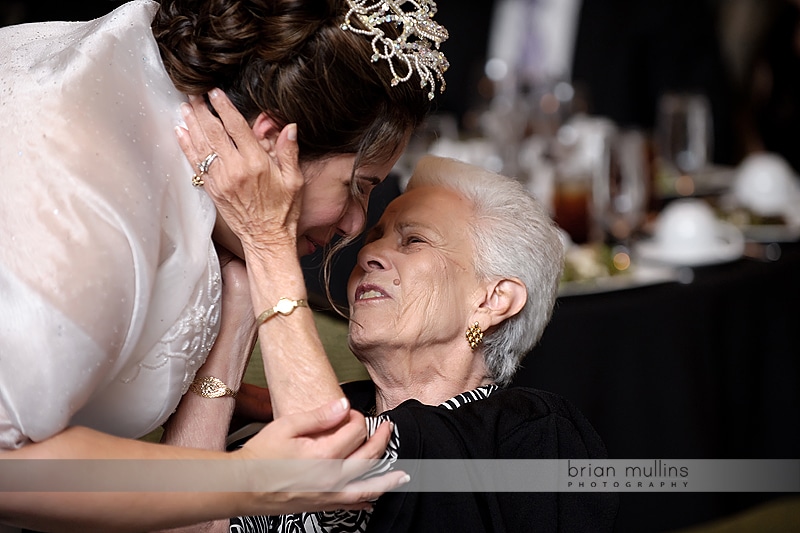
{"x":284,"y":307}
{"x":211,"y":387}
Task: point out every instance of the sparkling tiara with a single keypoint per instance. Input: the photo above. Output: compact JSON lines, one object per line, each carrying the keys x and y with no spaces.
{"x":413,"y":47}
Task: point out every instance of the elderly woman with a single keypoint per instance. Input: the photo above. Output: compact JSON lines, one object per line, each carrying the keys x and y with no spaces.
{"x":454,"y":285}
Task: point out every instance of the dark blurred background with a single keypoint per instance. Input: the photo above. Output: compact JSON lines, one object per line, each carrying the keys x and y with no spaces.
{"x":744,"y":55}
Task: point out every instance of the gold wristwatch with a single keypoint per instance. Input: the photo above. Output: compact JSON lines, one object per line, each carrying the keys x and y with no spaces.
{"x":211,"y":387}
{"x":285,"y":307}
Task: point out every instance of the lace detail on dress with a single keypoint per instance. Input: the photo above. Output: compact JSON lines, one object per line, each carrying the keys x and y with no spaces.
{"x":193,"y":335}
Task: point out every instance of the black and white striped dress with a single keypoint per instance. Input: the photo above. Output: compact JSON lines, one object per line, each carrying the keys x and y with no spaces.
{"x":345,"y":521}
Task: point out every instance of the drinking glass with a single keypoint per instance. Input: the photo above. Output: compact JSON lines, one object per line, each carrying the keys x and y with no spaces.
{"x":684,"y":133}
{"x":572,"y":197}
{"x":621,"y":186}
{"x":579,"y":152}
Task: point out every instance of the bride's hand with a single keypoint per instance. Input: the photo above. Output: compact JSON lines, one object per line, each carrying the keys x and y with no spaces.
{"x":256,"y":188}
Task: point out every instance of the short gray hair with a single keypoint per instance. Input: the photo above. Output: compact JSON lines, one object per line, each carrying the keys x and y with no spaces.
{"x":513,"y":236}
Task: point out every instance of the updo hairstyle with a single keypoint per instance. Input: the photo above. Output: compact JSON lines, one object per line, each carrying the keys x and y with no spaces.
{"x":291,"y":60}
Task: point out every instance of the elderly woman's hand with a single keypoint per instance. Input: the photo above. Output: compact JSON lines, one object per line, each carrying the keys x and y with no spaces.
{"x":256,"y":188}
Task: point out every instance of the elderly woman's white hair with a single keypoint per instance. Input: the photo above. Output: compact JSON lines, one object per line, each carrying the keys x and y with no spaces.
{"x":513,"y":236}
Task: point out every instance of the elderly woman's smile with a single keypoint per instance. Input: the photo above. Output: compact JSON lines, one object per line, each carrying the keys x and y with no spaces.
{"x":368,"y":292}
{"x":414,"y":286}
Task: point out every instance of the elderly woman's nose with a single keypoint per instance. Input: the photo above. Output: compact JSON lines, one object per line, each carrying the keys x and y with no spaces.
{"x":370,"y":258}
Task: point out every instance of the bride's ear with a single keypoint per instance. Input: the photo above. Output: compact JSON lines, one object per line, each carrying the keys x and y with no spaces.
{"x":266,"y":131}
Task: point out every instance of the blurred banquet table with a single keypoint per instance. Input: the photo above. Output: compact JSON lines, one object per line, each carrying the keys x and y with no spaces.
{"x":708,"y":369}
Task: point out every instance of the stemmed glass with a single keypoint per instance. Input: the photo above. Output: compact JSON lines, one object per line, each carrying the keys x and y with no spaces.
{"x":684,"y":133}
{"x":621,"y":187}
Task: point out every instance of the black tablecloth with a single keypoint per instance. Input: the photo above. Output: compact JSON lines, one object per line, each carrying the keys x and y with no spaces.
{"x":704,"y":370}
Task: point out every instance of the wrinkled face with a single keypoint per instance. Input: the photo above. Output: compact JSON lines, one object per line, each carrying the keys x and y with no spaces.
{"x":329,"y":207}
{"x":414,"y":284}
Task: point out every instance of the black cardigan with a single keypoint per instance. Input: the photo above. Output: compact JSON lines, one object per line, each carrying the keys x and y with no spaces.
{"x":513,"y":423}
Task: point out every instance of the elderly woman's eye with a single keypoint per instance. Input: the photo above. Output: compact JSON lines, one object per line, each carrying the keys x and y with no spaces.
{"x":413,"y":239}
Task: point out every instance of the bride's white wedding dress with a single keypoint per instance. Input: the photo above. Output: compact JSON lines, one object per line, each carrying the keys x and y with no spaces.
{"x":109,"y":282}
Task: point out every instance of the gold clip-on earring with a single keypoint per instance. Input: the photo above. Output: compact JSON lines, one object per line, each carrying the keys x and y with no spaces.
{"x":474,"y":335}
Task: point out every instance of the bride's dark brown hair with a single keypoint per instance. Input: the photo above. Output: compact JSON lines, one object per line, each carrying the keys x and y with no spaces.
{"x":291,"y":60}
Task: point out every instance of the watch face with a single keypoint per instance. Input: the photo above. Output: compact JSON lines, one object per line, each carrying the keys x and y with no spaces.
{"x":284,"y":306}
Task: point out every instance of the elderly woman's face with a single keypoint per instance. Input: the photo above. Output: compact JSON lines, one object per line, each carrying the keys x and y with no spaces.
{"x":414,"y":283}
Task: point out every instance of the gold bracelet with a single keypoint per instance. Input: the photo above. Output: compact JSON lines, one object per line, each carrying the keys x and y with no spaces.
{"x":285,"y":307}
{"x":211,"y":387}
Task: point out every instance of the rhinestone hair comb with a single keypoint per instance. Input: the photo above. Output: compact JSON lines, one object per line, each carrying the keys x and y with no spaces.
{"x":412,"y":48}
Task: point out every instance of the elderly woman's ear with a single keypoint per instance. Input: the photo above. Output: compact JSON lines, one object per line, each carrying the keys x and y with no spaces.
{"x":504,"y":298}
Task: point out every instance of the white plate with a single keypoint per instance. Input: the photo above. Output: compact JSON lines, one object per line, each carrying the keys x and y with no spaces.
{"x":728,"y":247}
